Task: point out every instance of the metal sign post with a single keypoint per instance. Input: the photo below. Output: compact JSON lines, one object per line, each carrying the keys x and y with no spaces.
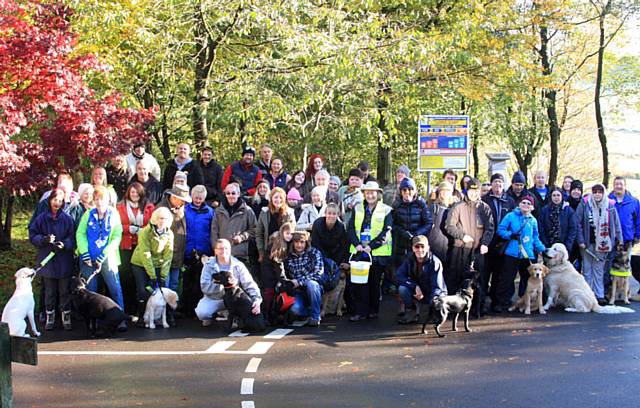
{"x":23,"y":350}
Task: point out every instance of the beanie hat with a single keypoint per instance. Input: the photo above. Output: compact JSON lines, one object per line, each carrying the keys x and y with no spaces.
{"x":180,"y":175}
{"x":335,"y":179}
{"x":497,"y":176}
{"x":249,"y":150}
{"x":355,"y":173}
{"x":408,"y":183}
{"x":294,"y":194}
{"x":527,"y":197}
{"x":404,"y":169}
{"x":518,"y":177}
{"x":576,"y":184}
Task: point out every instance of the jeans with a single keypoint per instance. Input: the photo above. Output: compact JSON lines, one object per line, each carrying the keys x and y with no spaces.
{"x":309,"y":301}
{"x":110,"y":277}
{"x":173,"y":279}
{"x":406,"y":295}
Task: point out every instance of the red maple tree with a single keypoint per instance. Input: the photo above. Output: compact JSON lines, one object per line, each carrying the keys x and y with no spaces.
{"x":50,"y":120}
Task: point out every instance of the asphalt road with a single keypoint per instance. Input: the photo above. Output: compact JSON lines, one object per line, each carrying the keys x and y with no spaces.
{"x":558,"y":359}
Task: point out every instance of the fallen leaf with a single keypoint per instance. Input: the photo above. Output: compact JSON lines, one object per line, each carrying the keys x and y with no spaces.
{"x":513,"y":358}
{"x":344,"y":363}
{"x":102,"y":391}
{"x":576,"y":350}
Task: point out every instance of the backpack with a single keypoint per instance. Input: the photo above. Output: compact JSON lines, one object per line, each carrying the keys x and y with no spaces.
{"x":331,"y":275}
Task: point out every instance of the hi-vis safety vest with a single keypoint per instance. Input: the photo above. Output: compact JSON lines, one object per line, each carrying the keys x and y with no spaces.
{"x":377,"y":224}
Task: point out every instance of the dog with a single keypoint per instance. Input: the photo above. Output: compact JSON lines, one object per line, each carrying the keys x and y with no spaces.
{"x":93,"y":307}
{"x":21,"y":305}
{"x":620,"y":274}
{"x":567,"y":288}
{"x":460,"y":303}
{"x":532,"y":299}
{"x":333,"y":301}
{"x":285,"y":297}
{"x":157,"y":307}
{"x":239,"y":305}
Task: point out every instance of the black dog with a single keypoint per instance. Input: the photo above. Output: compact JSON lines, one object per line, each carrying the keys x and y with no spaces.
{"x":285,"y":293}
{"x":456,"y":304}
{"x":239,"y":305}
{"x":94,"y":307}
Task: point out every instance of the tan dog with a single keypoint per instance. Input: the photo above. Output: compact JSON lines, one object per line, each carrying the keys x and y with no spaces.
{"x":333,"y":301}
{"x":532,"y":299}
{"x":620,"y":275}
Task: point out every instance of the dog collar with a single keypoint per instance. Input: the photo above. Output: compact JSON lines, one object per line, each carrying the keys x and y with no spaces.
{"x":623,"y":274}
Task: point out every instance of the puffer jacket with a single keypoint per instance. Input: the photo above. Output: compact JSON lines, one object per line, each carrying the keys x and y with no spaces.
{"x":154,"y":251}
{"x":309,"y":215}
{"x":179,"y":229}
{"x":63,"y":227}
{"x":242,"y":223}
{"x":129,"y":240}
{"x":411,"y":219}
{"x":516,"y":223}
{"x":629,"y":215}
{"x":470,"y":218}
{"x":199,"y":222}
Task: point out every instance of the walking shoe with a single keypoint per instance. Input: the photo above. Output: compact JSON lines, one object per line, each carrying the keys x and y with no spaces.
{"x":313,"y":323}
{"x":356,"y":318}
{"x":207,"y":323}
{"x":66,"y":320}
{"x":122,"y":327}
{"x":222,"y":316}
{"x":51,"y":320}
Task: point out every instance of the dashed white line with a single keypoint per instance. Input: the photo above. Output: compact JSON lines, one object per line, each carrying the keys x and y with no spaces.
{"x":252,"y":367}
{"x":220,"y":347}
{"x":278,"y":334}
{"x":238,"y":333}
{"x":246,"y":388}
{"x":248,"y":404}
{"x":260,"y":347}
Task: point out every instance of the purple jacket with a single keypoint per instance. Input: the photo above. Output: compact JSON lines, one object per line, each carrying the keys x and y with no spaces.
{"x":63,"y":227}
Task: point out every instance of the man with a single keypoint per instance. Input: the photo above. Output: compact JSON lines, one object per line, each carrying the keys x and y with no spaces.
{"x":244,"y":172}
{"x":212,"y":176}
{"x":470,"y":224}
{"x":519,"y":189}
{"x":322,"y":180}
{"x":213,"y":291}
{"x":500,"y":204}
{"x":365,"y":168}
{"x":540,"y":190}
{"x":264,"y":164}
{"x":138,"y":154}
{"x":391,"y":191}
{"x":304,"y":266}
{"x":152,"y":187}
{"x":411,"y":217}
{"x":182,"y":162}
{"x":449,"y":176}
{"x":235,"y":222}
{"x":65,"y":183}
{"x":420,"y":279}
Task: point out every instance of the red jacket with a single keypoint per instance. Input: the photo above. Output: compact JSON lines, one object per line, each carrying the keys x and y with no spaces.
{"x":129,"y":240}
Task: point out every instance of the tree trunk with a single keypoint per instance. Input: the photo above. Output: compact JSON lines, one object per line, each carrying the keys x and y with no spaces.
{"x":552,"y":114}
{"x":242,"y":126}
{"x":205,"y":49}
{"x":5,"y":228}
{"x":599,"y":121}
{"x":384,"y":168}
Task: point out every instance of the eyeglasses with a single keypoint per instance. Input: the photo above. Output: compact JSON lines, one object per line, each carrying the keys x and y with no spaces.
{"x":230,"y":193}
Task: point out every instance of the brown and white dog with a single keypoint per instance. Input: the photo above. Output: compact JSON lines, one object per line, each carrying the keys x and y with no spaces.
{"x":333,"y":301}
{"x":532,"y":299}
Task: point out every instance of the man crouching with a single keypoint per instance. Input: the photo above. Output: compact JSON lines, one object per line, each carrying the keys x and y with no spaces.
{"x":420,"y":279}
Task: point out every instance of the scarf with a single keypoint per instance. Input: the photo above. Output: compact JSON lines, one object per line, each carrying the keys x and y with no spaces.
{"x":600,"y":213}
{"x":554,"y":232}
{"x":133,"y":153}
{"x":136,"y":220}
{"x":159,"y":232}
{"x":231,"y":209}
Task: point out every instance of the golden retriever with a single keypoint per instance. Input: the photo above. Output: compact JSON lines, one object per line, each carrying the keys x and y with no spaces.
{"x":567,"y":288}
{"x":532,"y":299}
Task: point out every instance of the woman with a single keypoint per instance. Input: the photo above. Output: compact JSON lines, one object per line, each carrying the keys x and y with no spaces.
{"x":99,"y":178}
{"x":261,"y":197}
{"x":272,"y":270}
{"x":464,"y":183}
{"x":521,"y":229}
{"x":369,"y":231}
{"x":200,"y":217}
{"x":135,"y":212}
{"x":294,"y":201}
{"x":84,"y":203}
{"x":54,"y":231}
{"x":556,"y":221}
{"x":329,"y":235}
{"x":98,"y":237}
{"x":566,"y":187}
{"x":151,"y":260}
{"x":311,"y":212}
{"x":298,"y":182}
{"x":277,"y":177}
{"x":599,"y":232}
{"x":439,"y":241}
{"x":271,"y":219}
{"x":315,"y":164}
{"x":118,"y":175}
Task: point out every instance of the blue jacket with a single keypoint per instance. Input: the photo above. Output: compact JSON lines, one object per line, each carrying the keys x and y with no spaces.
{"x":198,"y":229}
{"x":411,"y":219}
{"x":64,"y":228}
{"x":568,"y":226}
{"x":280,"y":181}
{"x":430,"y":280}
{"x":516,"y":223}
{"x":629,"y":215}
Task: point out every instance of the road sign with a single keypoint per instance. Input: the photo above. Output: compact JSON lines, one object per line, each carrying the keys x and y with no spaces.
{"x":443,"y":142}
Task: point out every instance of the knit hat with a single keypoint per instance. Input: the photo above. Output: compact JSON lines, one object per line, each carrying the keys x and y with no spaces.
{"x":180,"y":175}
{"x":408,"y":183}
{"x":355,"y":173}
{"x":335,"y":179}
{"x":445,"y":185}
{"x":518,"y":177}
{"x":527,"y":197}
{"x":404,"y":169}
{"x":294,"y":195}
{"x":497,"y":176}
{"x":249,"y":150}
{"x":576,"y":184}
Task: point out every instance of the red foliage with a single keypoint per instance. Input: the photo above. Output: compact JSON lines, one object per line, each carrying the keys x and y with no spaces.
{"x":49,"y":118}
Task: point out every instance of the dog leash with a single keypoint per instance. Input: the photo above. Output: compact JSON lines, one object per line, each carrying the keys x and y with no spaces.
{"x":93,"y":275}
{"x":44,"y":262}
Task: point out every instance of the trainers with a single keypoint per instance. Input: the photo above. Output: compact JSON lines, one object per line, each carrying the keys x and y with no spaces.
{"x":207,"y":323}
{"x":51,"y":320}
{"x":66,"y":320}
{"x":222,"y":316}
{"x":313,"y":323}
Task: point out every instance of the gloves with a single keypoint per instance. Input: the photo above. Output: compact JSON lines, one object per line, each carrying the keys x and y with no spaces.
{"x":515,"y":236}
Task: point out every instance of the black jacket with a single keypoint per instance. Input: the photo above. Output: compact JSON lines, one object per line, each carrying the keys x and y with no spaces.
{"x":507,"y":204}
{"x":194,"y":174}
{"x":152,"y":188}
{"x":212,"y":177}
{"x":331,"y":242}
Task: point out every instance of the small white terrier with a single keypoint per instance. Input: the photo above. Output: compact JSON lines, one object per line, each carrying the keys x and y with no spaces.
{"x":21,"y":305}
{"x":157,"y":307}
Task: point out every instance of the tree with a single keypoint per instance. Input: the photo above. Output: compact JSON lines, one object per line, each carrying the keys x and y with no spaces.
{"x":50,"y":119}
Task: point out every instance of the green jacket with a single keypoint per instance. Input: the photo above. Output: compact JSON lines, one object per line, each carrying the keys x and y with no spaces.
{"x":154,"y":251}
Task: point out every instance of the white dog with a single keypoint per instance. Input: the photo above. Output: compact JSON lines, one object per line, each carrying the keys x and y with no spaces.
{"x":566,"y":287}
{"x":21,"y":305}
{"x":157,"y":307}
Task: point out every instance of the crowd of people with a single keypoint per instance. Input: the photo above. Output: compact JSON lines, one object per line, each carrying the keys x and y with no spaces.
{"x":136,"y":229}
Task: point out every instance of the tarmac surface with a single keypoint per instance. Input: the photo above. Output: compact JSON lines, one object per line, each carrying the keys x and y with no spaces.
{"x":509,"y":360}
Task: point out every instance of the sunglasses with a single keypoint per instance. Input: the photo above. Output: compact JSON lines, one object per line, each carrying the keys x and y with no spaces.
{"x":232,"y":193}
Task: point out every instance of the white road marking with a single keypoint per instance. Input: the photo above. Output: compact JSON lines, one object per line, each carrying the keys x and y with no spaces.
{"x":299,"y":323}
{"x":220,"y":347}
{"x":248,"y":404}
{"x":246,"y":388}
{"x":261,"y":347}
{"x":278,"y":334}
{"x":238,"y":333}
{"x":252,"y":367}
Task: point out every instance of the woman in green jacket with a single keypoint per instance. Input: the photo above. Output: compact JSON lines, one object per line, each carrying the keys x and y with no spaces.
{"x":151,"y":260}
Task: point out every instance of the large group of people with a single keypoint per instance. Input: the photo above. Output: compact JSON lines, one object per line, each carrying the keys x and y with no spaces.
{"x":132,"y":228}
